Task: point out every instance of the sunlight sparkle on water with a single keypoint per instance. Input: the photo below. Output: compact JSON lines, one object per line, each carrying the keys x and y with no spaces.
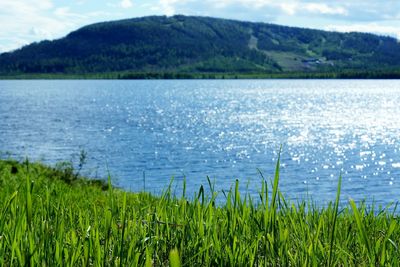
{"x":222,"y":129}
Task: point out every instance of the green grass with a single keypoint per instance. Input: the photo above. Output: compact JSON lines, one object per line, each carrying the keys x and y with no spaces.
{"x":51,"y":217}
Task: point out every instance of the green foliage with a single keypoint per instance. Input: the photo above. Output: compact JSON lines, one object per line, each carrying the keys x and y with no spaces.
{"x":174,"y":260}
{"x":45,"y":221}
{"x":182,"y":46}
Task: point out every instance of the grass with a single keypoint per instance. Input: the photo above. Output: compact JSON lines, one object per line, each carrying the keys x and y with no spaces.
{"x":52,"y":217}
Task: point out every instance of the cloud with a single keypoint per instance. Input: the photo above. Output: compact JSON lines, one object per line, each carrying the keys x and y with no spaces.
{"x":325,"y":9}
{"x":245,"y":3}
{"x":126,"y":3}
{"x":370,"y":27}
{"x":23,"y":21}
{"x":27,"y":21}
{"x":169,"y":7}
{"x":250,"y":9}
{"x":289,"y":8}
{"x":66,"y":13}
{"x":355,"y":10}
{"x":234,"y":9}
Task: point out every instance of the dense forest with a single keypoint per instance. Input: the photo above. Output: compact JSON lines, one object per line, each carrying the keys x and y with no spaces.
{"x":203,"y":47}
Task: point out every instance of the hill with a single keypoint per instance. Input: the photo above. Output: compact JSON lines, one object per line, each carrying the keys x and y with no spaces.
{"x":187,"y":45}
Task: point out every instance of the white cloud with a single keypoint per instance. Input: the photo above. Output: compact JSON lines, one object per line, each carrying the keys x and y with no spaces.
{"x":26,"y":21}
{"x":325,"y":9}
{"x":246,"y":3}
{"x":293,"y":8}
{"x":126,"y":3}
{"x":289,"y":8}
{"x":369,"y":27}
{"x":355,"y":10}
{"x":65,"y":12}
{"x":168,"y":6}
{"x":251,"y":7}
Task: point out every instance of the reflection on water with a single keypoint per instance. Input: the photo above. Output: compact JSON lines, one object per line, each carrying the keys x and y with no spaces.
{"x":222,"y":129}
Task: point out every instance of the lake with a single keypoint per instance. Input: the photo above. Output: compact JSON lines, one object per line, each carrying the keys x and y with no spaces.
{"x":226,"y":129}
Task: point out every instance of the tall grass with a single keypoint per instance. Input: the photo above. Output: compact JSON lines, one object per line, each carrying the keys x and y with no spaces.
{"x":48,"y":219}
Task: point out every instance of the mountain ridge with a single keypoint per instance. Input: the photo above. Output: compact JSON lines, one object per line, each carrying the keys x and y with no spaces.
{"x":192,"y":45}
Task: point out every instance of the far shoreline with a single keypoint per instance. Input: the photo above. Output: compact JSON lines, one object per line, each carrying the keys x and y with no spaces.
{"x":345,"y":75}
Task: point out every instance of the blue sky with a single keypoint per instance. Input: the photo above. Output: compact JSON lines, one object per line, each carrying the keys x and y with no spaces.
{"x":26,"y":21}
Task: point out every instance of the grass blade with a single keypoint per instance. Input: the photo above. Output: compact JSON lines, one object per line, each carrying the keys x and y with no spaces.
{"x":360,"y":226}
{"x":335,"y":213}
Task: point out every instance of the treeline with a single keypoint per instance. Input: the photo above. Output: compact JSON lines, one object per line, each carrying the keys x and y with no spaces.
{"x":293,"y":75}
{"x":351,"y":74}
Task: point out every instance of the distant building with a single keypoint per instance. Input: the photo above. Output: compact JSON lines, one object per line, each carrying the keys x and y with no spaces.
{"x":311,"y":61}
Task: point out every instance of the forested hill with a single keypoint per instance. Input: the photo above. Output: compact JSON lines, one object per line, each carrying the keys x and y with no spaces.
{"x":190,"y":45}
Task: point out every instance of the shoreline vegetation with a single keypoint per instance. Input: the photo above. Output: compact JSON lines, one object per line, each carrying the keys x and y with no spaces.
{"x":51,"y":216}
{"x":384,"y":74}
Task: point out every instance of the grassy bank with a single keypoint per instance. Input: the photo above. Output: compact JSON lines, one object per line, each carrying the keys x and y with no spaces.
{"x":52,"y":217}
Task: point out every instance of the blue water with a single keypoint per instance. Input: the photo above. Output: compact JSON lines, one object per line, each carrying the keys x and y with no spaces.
{"x":226,"y":130}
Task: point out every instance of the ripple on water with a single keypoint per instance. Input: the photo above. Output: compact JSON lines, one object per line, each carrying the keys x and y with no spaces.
{"x":223,"y":129}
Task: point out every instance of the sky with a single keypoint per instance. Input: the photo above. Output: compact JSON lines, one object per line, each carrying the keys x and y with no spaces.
{"x":26,"y":21}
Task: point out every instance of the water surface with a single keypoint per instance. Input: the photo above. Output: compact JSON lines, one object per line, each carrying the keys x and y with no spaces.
{"x":226,"y":130}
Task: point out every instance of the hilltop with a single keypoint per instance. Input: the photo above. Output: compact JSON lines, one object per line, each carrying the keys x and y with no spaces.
{"x":188,"y":45}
